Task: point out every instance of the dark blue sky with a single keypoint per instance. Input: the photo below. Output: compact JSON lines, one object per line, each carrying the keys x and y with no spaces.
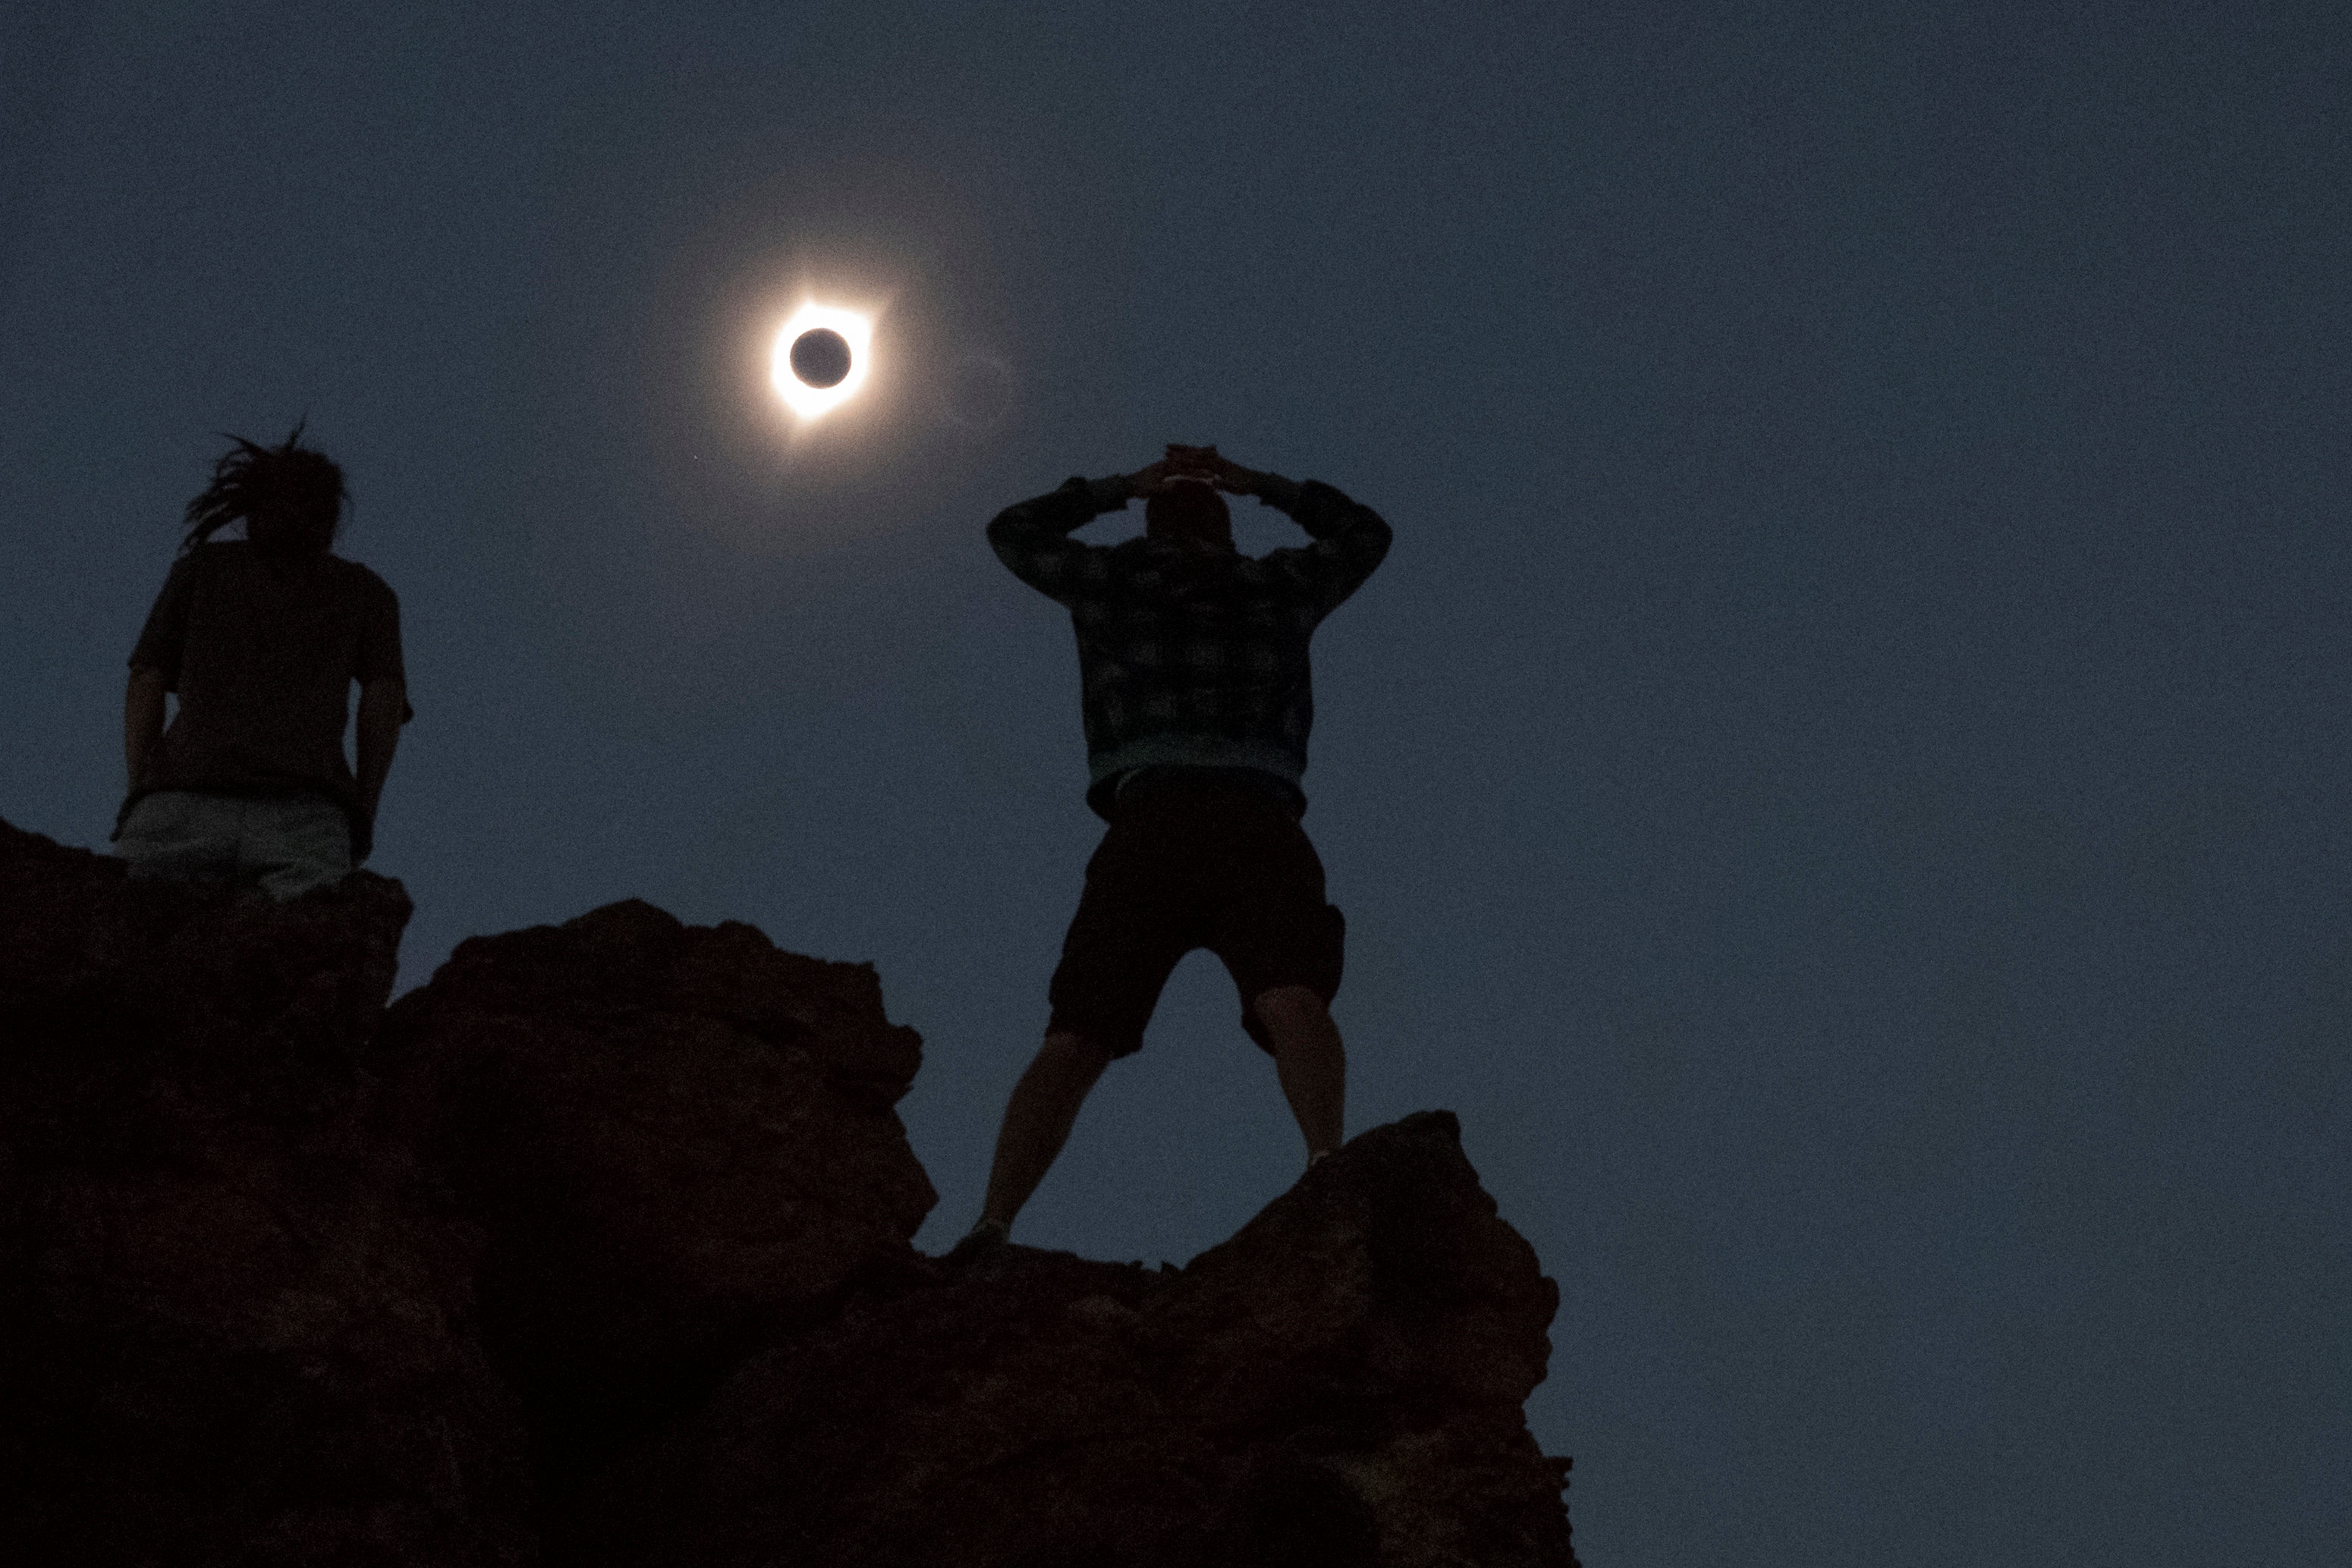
{"x":1841,"y":782}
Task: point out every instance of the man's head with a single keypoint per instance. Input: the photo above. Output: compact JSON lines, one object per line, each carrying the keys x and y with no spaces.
{"x":290,"y":498}
{"x":1185,"y":507}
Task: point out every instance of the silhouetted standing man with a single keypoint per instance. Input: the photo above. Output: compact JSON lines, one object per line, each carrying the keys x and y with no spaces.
{"x":1194,"y":677}
{"x":262,"y":638}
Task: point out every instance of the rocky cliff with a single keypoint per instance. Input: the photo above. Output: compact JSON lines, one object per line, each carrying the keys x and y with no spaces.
{"x":594,"y":1252}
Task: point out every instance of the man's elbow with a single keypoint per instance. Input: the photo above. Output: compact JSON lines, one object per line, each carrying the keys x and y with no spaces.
{"x":1011,"y":531}
{"x":143,"y":697}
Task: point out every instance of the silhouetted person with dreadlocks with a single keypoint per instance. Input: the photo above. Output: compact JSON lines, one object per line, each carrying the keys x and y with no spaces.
{"x":1194,"y":684}
{"x":262,"y":638}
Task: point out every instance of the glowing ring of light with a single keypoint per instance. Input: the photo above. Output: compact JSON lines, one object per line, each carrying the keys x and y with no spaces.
{"x":805,"y":401}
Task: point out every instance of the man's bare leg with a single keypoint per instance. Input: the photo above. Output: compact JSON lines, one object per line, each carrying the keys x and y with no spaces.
{"x":1311,"y":1062}
{"x":1037,"y":1122}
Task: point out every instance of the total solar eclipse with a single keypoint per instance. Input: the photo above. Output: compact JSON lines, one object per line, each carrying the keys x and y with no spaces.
{"x":820,"y":358}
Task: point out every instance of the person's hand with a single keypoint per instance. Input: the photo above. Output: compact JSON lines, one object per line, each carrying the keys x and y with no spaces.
{"x":1203,"y":463}
{"x":1144,"y":481}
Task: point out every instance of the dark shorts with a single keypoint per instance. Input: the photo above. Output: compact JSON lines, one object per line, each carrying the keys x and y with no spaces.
{"x":1194,"y":863}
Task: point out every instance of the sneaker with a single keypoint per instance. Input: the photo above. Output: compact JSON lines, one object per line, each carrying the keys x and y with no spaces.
{"x":986,"y":1237}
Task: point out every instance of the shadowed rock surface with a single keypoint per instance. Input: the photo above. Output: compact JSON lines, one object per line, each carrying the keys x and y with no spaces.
{"x":231,"y":1329}
{"x":675,"y":1141}
{"x":1339,"y":1383}
{"x":595,"y":1250}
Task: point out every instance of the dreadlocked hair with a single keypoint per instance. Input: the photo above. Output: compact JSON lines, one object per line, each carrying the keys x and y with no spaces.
{"x":290,"y":497}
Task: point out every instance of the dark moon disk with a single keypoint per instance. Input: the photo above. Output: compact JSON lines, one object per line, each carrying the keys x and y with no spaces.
{"x":821,"y":357}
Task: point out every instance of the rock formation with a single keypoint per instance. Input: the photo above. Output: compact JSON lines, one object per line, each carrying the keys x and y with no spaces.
{"x":594,"y":1252}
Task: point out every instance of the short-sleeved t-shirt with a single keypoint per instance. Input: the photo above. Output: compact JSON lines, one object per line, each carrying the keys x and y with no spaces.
{"x":262,"y":651}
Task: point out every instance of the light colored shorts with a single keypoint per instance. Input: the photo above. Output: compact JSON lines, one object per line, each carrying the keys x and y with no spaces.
{"x":288,"y":843}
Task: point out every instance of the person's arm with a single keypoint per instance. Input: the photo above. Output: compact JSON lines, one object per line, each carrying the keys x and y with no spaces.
{"x":1031,"y":537}
{"x":1350,"y":538}
{"x":142,"y":720}
{"x":383,"y":703}
{"x":156,"y":670}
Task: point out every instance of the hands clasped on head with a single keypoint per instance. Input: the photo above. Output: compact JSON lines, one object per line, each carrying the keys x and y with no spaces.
{"x":1201,"y":464}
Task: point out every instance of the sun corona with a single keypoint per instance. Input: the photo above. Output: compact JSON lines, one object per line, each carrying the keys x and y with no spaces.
{"x":807,"y":401}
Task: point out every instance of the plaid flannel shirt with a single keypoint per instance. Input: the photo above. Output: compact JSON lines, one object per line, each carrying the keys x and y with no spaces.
{"x":1189,"y":653}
